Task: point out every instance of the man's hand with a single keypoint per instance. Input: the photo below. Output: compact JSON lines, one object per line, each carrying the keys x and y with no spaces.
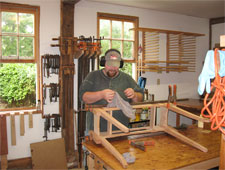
{"x":108,"y":95}
{"x":134,"y":96}
{"x":129,"y":92}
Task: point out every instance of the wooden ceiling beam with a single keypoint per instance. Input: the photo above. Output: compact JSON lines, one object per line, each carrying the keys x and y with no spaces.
{"x":70,"y":1}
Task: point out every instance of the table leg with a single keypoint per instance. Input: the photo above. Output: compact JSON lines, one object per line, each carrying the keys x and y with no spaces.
{"x":222,"y":152}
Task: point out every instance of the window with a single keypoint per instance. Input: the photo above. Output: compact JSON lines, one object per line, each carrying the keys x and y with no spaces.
{"x":19,"y":56}
{"x":117,"y":33}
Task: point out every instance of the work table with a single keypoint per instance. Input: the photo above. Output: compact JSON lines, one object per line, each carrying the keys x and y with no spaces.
{"x":167,"y":153}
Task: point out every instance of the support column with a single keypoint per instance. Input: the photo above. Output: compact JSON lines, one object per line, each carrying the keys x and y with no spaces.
{"x":66,"y":76}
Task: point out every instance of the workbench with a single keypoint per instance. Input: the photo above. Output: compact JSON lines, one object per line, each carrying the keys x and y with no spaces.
{"x":167,"y":152}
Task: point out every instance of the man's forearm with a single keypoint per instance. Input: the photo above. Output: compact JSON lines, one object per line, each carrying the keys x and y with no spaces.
{"x":138,"y":97}
{"x":92,"y":97}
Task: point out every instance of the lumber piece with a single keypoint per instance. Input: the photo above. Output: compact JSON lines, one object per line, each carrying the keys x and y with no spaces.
{"x":97,"y":123}
{"x":111,"y":119}
{"x":152,"y":117}
{"x":136,"y":132}
{"x":30,"y":119}
{"x":109,"y":147}
{"x":148,"y":105}
{"x":186,"y":113}
{"x":49,"y":155}
{"x":109,"y":126}
{"x":163,"y":116}
{"x":22,"y":129}
{"x":183,"y":138}
{"x":13,"y":129}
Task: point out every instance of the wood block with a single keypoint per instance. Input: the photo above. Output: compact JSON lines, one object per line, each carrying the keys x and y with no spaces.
{"x":13,"y":129}
{"x":49,"y":154}
{"x":30,"y":120}
{"x":222,"y":41}
{"x":22,"y":129}
{"x":200,"y":123}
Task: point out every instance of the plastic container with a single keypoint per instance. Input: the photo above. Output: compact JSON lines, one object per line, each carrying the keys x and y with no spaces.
{"x":144,"y":114}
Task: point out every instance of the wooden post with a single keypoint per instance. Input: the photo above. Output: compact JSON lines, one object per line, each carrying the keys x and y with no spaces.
{"x":66,"y":76}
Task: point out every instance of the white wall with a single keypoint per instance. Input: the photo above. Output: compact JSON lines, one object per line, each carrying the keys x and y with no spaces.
{"x":86,"y":24}
{"x":217,"y":30}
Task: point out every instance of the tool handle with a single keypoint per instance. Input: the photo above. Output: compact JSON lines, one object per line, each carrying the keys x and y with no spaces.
{"x":174,"y":93}
{"x":170,"y":90}
{"x":141,"y":147}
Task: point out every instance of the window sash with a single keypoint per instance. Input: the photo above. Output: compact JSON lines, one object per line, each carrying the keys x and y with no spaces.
{"x":123,"y":18}
{"x":35,"y":10}
{"x":21,"y":8}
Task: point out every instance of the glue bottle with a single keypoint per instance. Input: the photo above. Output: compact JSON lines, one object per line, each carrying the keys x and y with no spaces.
{"x":144,"y":114}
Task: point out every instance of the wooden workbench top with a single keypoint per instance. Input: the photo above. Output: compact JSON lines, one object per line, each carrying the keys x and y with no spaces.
{"x":191,"y":103}
{"x":167,"y":153}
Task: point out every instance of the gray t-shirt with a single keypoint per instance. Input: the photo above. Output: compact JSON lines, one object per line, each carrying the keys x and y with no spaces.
{"x":97,"y":81}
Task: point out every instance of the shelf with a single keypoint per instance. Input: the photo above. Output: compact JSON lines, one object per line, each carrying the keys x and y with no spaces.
{"x":166,"y":31}
{"x":180,"y":48}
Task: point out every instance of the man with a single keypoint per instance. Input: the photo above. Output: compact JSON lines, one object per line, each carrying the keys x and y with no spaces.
{"x":100,"y":86}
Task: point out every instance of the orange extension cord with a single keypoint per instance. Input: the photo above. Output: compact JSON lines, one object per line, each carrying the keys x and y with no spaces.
{"x":216,"y":112}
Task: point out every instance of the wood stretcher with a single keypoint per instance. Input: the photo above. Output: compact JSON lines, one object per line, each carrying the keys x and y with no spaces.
{"x":106,"y":113}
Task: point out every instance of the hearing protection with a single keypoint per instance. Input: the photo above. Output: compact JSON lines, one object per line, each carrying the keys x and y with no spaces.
{"x":102,"y":59}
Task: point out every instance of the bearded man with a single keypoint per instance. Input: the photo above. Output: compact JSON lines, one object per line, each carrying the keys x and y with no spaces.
{"x":100,"y":86}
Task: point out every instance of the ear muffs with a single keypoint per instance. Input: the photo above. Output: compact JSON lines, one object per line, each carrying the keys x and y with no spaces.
{"x":102,"y":59}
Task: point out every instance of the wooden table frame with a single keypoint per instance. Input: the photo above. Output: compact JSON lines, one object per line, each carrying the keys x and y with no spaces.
{"x":106,"y":113}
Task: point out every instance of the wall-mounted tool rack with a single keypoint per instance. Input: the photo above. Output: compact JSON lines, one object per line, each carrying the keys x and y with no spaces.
{"x":180,"y":50}
{"x":50,"y":65}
